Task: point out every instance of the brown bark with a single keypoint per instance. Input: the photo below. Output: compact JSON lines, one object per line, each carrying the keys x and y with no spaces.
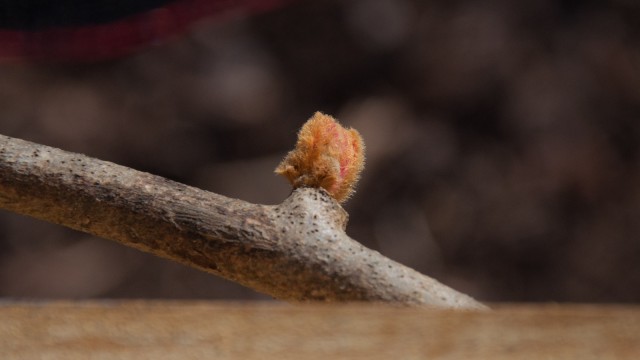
{"x":294,"y":251}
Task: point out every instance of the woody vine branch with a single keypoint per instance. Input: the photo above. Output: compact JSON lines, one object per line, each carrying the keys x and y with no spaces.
{"x":295,"y":251}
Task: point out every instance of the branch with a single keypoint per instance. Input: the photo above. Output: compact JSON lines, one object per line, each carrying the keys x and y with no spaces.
{"x":294,"y":251}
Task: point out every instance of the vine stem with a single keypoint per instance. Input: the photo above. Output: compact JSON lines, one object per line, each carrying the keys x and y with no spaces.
{"x":295,"y":251}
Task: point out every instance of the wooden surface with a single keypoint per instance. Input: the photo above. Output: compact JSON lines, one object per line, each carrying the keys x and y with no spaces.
{"x":200,"y":330}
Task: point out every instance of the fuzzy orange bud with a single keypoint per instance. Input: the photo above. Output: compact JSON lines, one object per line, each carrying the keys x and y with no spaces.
{"x":327,"y":156}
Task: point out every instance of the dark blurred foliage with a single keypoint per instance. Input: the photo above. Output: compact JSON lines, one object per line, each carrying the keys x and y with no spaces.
{"x":502,"y":141}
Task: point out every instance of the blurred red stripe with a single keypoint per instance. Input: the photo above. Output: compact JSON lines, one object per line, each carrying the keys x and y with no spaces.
{"x":105,"y":41}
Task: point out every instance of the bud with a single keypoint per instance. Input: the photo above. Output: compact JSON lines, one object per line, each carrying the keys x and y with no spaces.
{"x":326,"y":156}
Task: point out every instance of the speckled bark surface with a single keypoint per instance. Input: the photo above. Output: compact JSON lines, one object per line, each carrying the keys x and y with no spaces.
{"x":295,"y":251}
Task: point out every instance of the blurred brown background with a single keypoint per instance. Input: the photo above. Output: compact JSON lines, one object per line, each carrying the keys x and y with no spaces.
{"x":502,"y":141}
